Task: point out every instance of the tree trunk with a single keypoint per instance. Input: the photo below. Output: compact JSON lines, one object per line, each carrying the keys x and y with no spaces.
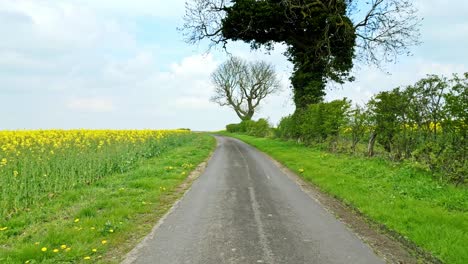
{"x":308,"y":85}
{"x":370,"y":146}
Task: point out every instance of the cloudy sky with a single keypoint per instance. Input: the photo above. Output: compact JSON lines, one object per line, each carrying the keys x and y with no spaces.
{"x":122,"y":64}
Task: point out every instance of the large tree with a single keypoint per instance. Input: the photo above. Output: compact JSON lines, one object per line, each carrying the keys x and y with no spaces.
{"x":323,"y":37}
{"x":243,"y":85}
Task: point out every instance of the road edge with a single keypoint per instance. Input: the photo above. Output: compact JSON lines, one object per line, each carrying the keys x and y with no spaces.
{"x":184,"y":187}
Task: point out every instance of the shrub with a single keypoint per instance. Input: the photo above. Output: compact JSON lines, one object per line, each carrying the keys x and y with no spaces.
{"x":260,"y":128}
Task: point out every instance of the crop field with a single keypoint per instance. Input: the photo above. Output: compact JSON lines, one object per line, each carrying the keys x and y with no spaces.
{"x":38,"y":164}
{"x":67,"y":195}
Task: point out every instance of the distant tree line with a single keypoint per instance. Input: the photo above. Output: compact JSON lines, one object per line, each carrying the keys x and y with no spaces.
{"x":425,"y":123}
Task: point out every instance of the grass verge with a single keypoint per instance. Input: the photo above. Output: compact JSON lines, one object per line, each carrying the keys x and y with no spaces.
{"x":99,"y":223}
{"x":404,"y":199}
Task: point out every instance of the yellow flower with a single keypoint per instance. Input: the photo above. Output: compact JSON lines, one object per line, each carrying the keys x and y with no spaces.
{"x":301,"y":170}
{"x":55,"y":250}
{"x":67,"y":249}
{"x":94,"y":250}
{"x":44,"y":249}
{"x":104,"y":242}
{"x":92,"y":228}
{"x":63,"y":246}
{"x":36,"y":243}
{"x":3,"y":228}
{"x":77,"y":220}
{"x":111,"y":230}
{"x":26,"y":262}
{"x":87,"y":258}
{"x":15,"y":173}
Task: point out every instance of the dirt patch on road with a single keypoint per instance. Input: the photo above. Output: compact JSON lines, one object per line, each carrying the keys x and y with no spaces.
{"x":388,"y":244}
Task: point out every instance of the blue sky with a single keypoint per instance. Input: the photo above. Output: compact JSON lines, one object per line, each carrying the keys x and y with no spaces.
{"x":122,"y":64}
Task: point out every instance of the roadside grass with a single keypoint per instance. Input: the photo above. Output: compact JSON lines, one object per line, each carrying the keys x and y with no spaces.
{"x":431,"y":214}
{"x":100,"y":222}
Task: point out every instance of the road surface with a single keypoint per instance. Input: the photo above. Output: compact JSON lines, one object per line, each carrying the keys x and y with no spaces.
{"x":244,"y":209}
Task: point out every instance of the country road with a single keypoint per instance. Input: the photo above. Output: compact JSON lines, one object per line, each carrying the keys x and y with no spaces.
{"x":244,"y":209}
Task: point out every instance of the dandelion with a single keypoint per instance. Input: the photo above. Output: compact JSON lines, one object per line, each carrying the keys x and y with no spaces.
{"x":44,"y":249}
{"x":67,"y":249}
{"x":55,"y":250}
{"x":63,"y":246}
{"x":87,"y":258}
{"x":94,"y":250}
{"x":3,"y":162}
{"x":301,"y":170}
{"x":36,"y":243}
{"x":111,"y":230}
{"x":104,"y":242}
{"x":77,"y":220}
{"x":15,"y":173}
{"x":92,"y":228}
{"x":27,"y":262}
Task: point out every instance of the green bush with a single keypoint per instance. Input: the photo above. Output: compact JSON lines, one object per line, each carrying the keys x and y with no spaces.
{"x":260,"y":128}
{"x":286,"y":128}
{"x":318,"y":123}
{"x":233,"y":128}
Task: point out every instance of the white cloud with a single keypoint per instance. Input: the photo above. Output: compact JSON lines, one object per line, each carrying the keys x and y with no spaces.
{"x":58,"y":26}
{"x":157,"y":8}
{"x":95,"y":105}
{"x":190,"y":103}
{"x":84,"y":57}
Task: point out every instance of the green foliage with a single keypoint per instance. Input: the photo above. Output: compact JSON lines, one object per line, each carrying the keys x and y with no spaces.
{"x":425,"y":122}
{"x":322,"y":121}
{"x":260,"y":128}
{"x":387,"y":110}
{"x":358,"y":125}
{"x":286,"y":128}
{"x":320,"y":39}
{"x":234,"y":128}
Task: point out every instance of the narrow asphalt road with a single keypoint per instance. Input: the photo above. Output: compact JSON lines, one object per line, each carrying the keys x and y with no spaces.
{"x":243,"y":209}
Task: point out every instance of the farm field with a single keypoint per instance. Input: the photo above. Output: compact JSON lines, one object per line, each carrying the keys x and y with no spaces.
{"x":426,"y":213}
{"x":89,"y":195}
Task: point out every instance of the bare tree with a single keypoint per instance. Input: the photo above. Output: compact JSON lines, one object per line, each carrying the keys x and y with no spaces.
{"x":385,"y":29}
{"x":242,"y":85}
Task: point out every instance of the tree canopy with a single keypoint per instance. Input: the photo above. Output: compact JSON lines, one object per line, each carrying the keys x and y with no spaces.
{"x":323,"y":37}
